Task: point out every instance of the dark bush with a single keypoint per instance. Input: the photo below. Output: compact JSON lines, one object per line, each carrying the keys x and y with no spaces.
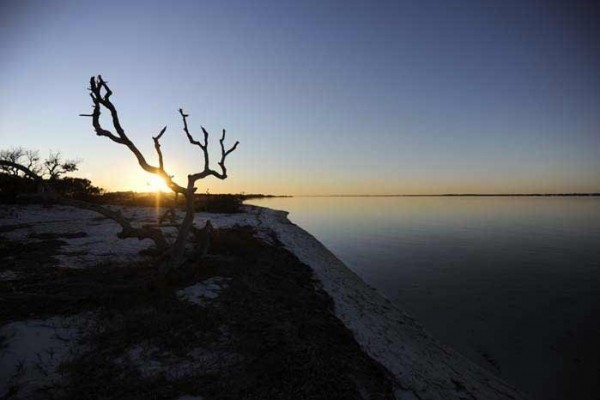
{"x":13,"y":187}
{"x":14,"y":184}
{"x":75,"y":187}
{"x":218,"y":203}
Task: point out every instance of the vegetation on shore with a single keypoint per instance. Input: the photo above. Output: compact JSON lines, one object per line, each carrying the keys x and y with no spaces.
{"x":271,"y":333}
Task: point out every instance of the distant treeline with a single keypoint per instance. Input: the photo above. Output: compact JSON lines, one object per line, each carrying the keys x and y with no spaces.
{"x":225,"y":203}
{"x":222,"y":203}
{"x":15,"y":189}
{"x":462,"y":195}
{"x":12,"y":186}
{"x":523,"y":195}
{"x":261,"y":196}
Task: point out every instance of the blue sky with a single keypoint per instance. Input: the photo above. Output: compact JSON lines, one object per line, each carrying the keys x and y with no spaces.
{"x":326,"y":97}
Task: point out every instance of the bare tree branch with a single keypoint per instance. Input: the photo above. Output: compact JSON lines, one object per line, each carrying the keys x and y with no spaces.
{"x":204,"y":146}
{"x":19,"y":167}
{"x":55,"y":166}
{"x":33,"y":159}
{"x":224,"y":153}
{"x":170,"y":215}
{"x":127,"y":230}
{"x":12,"y":156}
{"x":187,"y":132}
{"x":157,"y":147}
{"x":100,"y":94}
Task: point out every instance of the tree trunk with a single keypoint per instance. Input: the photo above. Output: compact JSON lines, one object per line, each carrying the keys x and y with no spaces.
{"x":177,"y":252}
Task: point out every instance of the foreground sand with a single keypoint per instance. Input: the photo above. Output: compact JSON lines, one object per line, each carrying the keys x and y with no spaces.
{"x":419,"y":366}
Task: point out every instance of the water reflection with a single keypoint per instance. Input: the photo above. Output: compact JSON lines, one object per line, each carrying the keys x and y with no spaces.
{"x":511,"y":282}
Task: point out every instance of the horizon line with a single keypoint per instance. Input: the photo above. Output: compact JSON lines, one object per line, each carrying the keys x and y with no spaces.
{"x":451,"y":195}
{"x":565,"y":194}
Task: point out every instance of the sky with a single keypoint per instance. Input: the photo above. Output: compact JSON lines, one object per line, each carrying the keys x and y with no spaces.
{"x":325,"y":97}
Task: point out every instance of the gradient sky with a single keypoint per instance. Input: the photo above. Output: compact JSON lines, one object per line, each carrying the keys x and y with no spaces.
{"x":326,"y":97}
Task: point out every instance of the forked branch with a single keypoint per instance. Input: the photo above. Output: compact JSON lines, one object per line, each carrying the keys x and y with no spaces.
{"x":224,"y":153}
{"x":100,"y":94}
{"x":204,"y":146}
{"x":157,"y":147}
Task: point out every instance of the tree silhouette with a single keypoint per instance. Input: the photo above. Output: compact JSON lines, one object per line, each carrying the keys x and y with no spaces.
{"x":53,"y":167}
{"x":100,"y":93}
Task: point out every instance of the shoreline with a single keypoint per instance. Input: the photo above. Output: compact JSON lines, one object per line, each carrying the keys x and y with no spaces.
{"x":421,"y":367}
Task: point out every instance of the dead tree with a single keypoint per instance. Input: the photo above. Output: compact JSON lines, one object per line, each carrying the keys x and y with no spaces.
{"x":100,"y":94}
{"x":32,"y":158}
{"x":11,"y":156}
{"x":55,"y":166}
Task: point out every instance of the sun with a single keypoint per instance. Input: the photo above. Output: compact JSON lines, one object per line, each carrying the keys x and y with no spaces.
{"x":156,"y":184}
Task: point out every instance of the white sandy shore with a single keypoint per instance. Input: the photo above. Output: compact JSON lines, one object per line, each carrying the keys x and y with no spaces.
{"x":423,"y":368}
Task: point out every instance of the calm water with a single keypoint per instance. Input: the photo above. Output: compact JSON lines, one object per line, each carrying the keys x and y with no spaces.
{"x":513,"y":283}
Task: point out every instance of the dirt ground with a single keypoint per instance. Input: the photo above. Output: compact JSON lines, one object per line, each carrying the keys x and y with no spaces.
{"x":269,"y":332}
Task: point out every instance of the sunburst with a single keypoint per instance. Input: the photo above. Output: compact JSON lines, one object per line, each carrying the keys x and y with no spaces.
{"x":156,"y":184}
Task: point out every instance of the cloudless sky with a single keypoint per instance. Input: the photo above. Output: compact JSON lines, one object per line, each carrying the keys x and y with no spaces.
{"x":325,"y":97}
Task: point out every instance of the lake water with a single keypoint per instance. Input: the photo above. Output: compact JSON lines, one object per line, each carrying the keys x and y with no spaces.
{"x":513,"y":283}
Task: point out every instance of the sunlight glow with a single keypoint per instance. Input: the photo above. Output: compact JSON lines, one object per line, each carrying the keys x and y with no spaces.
{"x":156,"y":184}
